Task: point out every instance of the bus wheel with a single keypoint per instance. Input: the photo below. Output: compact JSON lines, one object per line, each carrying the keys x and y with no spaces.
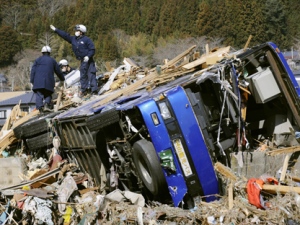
{"x":148,"y":167}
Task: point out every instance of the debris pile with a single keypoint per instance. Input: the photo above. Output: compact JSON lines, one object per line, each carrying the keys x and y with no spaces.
{"x":56,"y":192}
{"x":53,"y":190}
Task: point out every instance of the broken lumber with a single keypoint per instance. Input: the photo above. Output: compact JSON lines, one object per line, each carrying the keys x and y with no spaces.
{"x":58,"y":99}
{"x":10,"y":138}
{"x":273,"y":189}
{"x":284,"y":167}
{"x":225,"y":171}
{"x":153,"y":74}
{"x":129,"y":89}
{"x":7,"y":140}
{"x":248,"y":42}
{"x":212,"y":57}
{"x":284,"y":150}
{"x":25,"y":118}
{"x":178,"y":58}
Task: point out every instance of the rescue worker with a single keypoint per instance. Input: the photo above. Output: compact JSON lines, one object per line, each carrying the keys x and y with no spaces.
{"x":84,"y":50}
{"x":64,"y":66}
{"x":42,"y":79}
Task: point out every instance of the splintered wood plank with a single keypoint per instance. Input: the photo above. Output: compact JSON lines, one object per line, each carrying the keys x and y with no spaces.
{"x":284,"y":167}
{"x":178,"y":58}
{"x":10,"y":119}
{"x":168,"y":76}
{"x":212,"y":57}
{"x":225,"y":171}
{"x":58,"y":99}
{"x":248,"y":42}
{"x":10,"y":138}
{"x":130,"y":62}
{"x":25,"y":118}
{"x":7,"y":140}
{"x":280,"y":189}
{"x":230,"y":195}
{"x":284,"y":151}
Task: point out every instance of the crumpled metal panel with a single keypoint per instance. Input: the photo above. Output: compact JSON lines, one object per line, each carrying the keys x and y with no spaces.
{"x":162,"y":142}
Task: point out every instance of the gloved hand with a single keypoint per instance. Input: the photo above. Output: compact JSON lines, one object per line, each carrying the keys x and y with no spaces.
{"x":52,"y":27}
{"x":61,"y":84}
{"x":85,"y":59}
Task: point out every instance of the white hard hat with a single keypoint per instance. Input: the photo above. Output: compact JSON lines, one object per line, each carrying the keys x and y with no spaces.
{"x":80,"y":27}
{"x":46,"y":49}
{"x":63,"y":62}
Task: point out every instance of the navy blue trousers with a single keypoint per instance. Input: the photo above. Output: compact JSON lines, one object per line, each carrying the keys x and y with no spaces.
{"x":42,"y":96}
{"x":88,"y":76}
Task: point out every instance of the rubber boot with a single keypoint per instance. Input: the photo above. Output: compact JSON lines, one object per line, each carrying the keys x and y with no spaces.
{"x":47,"y":108}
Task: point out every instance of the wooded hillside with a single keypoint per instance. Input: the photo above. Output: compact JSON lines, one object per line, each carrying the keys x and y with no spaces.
{"x":141,"y":28}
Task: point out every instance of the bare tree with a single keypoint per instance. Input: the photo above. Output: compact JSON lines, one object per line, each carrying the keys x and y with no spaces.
{"x":122,"y":39}
{"x":52,"y":40}
{"x":12,"y":15}
{"x":296,"y":43}
{"x":49,"y":8}
{"x":48,"y":39}
{"x":19,"y":75}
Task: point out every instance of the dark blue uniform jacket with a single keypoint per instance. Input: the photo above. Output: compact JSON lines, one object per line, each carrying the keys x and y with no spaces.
{"x":42,"y":73}
{"x":82,"y":46}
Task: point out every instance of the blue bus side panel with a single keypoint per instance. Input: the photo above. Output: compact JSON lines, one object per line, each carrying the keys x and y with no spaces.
{"x":161,"y":141}
{"x":288,"y":69}
{"x":194,"y":140}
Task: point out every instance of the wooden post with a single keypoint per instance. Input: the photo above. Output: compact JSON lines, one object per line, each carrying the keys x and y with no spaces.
{"x":230,"y":195}
{"x":58,"y":99}
{"x":207,"y":49}
{"x":247,"y":43}
{"x":284,"y":167}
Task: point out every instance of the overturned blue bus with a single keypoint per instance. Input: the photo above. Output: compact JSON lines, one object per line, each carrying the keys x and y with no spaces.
{"x":163,"y":142}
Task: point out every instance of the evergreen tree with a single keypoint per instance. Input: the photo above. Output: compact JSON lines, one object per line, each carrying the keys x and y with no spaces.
{"x":205,"y":22}
{"x":150,"y":11}
{"x":275,"y":21}
{"x":292,"y":9}
{"x":167,"y":20}
{"x":186,"y":16}
{"x":250,"y":22}
{"x":109,"y":49}
{"x":233,"y":23}
{"x":12,"y":45}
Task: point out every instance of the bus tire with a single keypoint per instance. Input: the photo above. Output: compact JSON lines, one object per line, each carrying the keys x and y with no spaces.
{"x":101,"y":120}
{"x":38,"y":126}
{"x":148,"y":167}
{"x":39,"y":142}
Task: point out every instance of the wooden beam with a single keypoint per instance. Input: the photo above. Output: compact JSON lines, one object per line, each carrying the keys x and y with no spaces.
{"x":284,"y":167}
{"x":230,"y":195}
{"x":7,"y":140}
{"x":273,"y":189}
{"x":25,"y":118}
{"x":284,"y":151}
{"x":207,"y":49}
{"x":178,"y":58}
{"x":58,"y":99}
{"x":219,"y":54}
{"x":248,"y":42}
{"x":225,"y":171}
